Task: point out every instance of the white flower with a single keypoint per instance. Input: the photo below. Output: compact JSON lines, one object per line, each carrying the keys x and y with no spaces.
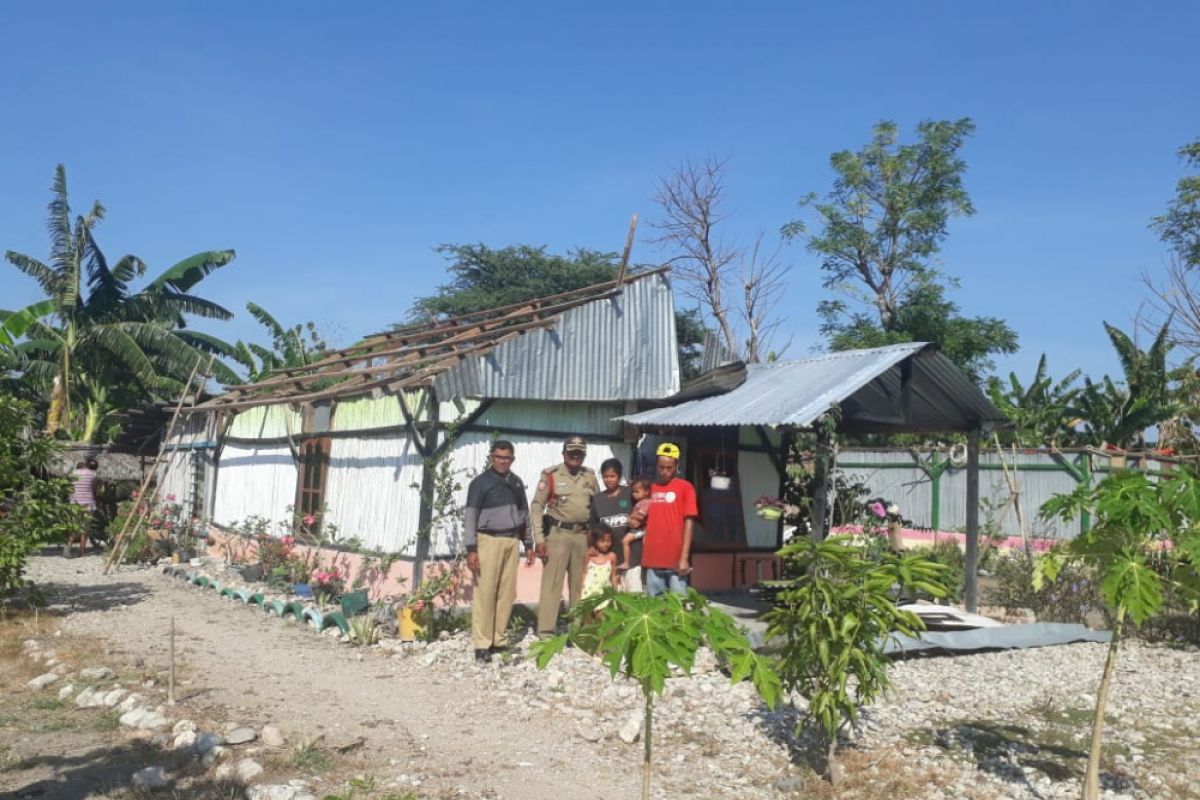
{"x":893,"y":510}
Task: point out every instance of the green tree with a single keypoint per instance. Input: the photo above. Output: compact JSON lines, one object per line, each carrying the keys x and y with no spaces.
{"x":877,"y":230}
{"x":102,"y":344}
{"x":644,"y":638}
{"x":835,"y":616}
{"x":1134,"y":519}
{"x":1041,"y":410}
{"x":1179,"y":228}
{"x":1120,"y":414}
{"x":483,"y":277}
{"x":296,"y":346}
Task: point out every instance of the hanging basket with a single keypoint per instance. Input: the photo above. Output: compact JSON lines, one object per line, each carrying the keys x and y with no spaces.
{"x":769,"y":513}
{"x":721,"y":483}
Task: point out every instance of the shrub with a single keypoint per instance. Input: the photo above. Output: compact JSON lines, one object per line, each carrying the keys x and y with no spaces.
{"x":950,"y":556}
{"x":34,"y":508}
{"x":1070,"y":599}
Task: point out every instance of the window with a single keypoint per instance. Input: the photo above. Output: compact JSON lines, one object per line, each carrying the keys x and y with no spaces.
{"x":314,"y":466}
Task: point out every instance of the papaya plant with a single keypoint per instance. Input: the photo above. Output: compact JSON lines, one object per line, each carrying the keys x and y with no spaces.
{"x":1145,"y":535}
{"x":833,"y":618}
{"x":643,"y":638}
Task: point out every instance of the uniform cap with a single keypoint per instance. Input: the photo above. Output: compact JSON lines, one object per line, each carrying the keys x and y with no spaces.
{"x":669,"y":450}
{"x":577,"y":443}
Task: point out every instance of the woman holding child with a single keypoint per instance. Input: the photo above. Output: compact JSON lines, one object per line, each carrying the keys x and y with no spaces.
{"x":610,"y":513}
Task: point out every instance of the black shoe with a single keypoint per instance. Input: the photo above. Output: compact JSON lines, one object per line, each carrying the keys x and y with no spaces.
{"x":483,"y":656}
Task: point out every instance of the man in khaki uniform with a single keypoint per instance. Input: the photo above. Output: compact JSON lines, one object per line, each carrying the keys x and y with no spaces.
{"x":561,"y":508}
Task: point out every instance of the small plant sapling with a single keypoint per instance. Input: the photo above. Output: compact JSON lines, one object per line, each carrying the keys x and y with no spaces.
{"x":1145,"y":535}
{"x":834,"y":616}
{"x":643,"y":638}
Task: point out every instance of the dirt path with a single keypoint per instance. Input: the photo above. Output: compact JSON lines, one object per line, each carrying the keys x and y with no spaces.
{"x":430,"y":725}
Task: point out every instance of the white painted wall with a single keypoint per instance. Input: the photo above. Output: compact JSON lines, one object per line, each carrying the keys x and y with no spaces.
{"x":254,"y":481}
{"x":369,"y":494}
{"x":757,"y":478}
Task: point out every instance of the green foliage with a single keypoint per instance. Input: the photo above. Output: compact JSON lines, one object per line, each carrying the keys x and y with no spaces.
{"x":296,"y":346}
{"x":483,"y":277}
{"x":1071,"y":598}
{"x":364,"y":630}
{"x":644,"y":638}
{"x":885,"y":218}
{"x":834,"y":617}
{"x":1179,"y":228}
{"x":1119,"y":415}
{"x":1041,"y":411}
{"x":1144,"y":538}
{"x":99,"y":345}
{"x":954,"y":563}
{"x":33,"y":508}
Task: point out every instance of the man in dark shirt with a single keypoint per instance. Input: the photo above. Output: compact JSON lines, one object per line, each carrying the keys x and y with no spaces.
{"x":496,"y":521}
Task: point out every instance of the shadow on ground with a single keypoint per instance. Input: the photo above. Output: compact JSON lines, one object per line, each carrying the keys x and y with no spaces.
{"x":108,"y":772}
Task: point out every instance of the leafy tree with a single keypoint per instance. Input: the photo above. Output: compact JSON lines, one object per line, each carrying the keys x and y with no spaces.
{"x":484,"y":277}
{"x":879,"y":227}
{"x":33,"y":508}
{"x":296,"y":346}
{"x":644,"y":638}
{"x":1134,"y":519}
{"x":103,"y":341}
{"x":1041,"y":410}
{"x":1120,"y":415}
{"x":1179,"y":228}
{"x":835,"y":616}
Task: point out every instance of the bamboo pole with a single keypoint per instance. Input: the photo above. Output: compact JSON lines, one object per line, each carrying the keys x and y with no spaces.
{"x":171,"y":670}
{"x":121,"y":542}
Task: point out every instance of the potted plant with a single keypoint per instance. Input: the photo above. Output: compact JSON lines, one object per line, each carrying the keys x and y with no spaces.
{"x":770,"y":508}
{"x":327,"y":585}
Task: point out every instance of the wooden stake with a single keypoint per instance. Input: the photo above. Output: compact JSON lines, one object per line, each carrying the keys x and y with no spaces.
{"x":628,"y":248}
{"x":171,"y":670}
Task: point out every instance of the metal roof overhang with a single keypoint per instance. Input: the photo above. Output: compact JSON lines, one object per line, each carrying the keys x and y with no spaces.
{"x":905,"y":388}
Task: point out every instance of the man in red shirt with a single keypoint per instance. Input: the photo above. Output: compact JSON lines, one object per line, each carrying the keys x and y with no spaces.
{"x":667,"y":548}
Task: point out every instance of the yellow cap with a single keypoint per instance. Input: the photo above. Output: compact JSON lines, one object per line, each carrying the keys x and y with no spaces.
{"x":669,"y":450}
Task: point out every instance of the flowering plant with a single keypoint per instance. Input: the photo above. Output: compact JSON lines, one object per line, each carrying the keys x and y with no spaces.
{"x":766,"y":501}
{"x":327,"y":584}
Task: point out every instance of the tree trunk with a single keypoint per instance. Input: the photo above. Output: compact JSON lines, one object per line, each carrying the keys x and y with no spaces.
{"x":646,"y":738}
{"x":1091,"y":781}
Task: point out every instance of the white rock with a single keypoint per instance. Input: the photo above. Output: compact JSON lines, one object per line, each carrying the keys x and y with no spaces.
{"x":151,"y":778}
{"x":272,"y":736}
{"x":272,"y":791}
{"x":129,"y":703}
{"x":96,"y":673}
{"x":223,"y":772}
{"x":132,"y":718}
{"x":183,"y":726}
{"x":43,"y":680}
{"x":630,"y":729}
{"x":248,"y":769}
{"x":240,"y":736}
{"x":66,"y":691}
{"x":184,"y":740}
{"x":114,"y":697}
{"x":429,"y":660}
{"x":590,"y":733}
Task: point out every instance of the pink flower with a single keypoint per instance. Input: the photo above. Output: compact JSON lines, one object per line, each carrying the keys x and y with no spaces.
{"x":309,"y":519}
{"x":877,"y":509}
{"x":170,"y":498}
{"x":135,"y":494}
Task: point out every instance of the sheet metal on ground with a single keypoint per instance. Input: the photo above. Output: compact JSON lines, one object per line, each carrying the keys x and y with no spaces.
{"x":1003,"y":637}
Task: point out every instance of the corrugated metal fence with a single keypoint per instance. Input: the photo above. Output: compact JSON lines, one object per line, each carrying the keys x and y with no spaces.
{"x":931,"y":488}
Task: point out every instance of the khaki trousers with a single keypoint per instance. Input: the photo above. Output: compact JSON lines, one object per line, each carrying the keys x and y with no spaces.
{"x":495,"y":590}
{"x":566,"y":556}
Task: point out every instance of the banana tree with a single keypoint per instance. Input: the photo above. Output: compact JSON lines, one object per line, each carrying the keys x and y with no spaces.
{"x":97,"y":326}
{"x":1040,"y":409}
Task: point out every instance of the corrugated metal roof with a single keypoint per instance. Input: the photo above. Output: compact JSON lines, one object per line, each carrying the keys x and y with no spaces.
{"x":619,"y":348}
{"x":866,"y":382}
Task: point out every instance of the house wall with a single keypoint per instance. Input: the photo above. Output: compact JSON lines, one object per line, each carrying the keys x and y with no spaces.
{"x":757,"y":477}
{"x":368,"y":490}
{"x":254,"y":480}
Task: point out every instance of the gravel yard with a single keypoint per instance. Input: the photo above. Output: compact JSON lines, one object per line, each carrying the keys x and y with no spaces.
{"x":428,"y":720}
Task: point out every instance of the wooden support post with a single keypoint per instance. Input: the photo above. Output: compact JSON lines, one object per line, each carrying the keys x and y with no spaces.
{"x":171,"y":669}
{"x":429,"y":458}
{"x":628,"y":248}
{"x":972,"y":556}
{"x":822,"y":466}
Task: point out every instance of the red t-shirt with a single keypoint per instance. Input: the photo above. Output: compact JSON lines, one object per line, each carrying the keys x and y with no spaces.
{"x":670,"y":505}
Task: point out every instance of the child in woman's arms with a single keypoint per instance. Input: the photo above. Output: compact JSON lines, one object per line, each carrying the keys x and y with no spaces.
{"x":640,"y":489}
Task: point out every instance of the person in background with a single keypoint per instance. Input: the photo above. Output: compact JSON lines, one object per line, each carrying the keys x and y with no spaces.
{"x":561,"y":508}
{"x":495,"y":522}
{"x":602,"y":564}
{"x":84,"y":494}
{"x":667,"y":548}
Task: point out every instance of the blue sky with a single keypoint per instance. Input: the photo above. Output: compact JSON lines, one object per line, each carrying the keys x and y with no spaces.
{"x":333,"y":147}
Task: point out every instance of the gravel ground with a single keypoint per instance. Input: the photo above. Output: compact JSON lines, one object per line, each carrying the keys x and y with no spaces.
{"x":996,"y":725}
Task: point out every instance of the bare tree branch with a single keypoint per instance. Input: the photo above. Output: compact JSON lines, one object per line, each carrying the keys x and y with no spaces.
{"x":1178,"y":297}
{"x":763,"y":281}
